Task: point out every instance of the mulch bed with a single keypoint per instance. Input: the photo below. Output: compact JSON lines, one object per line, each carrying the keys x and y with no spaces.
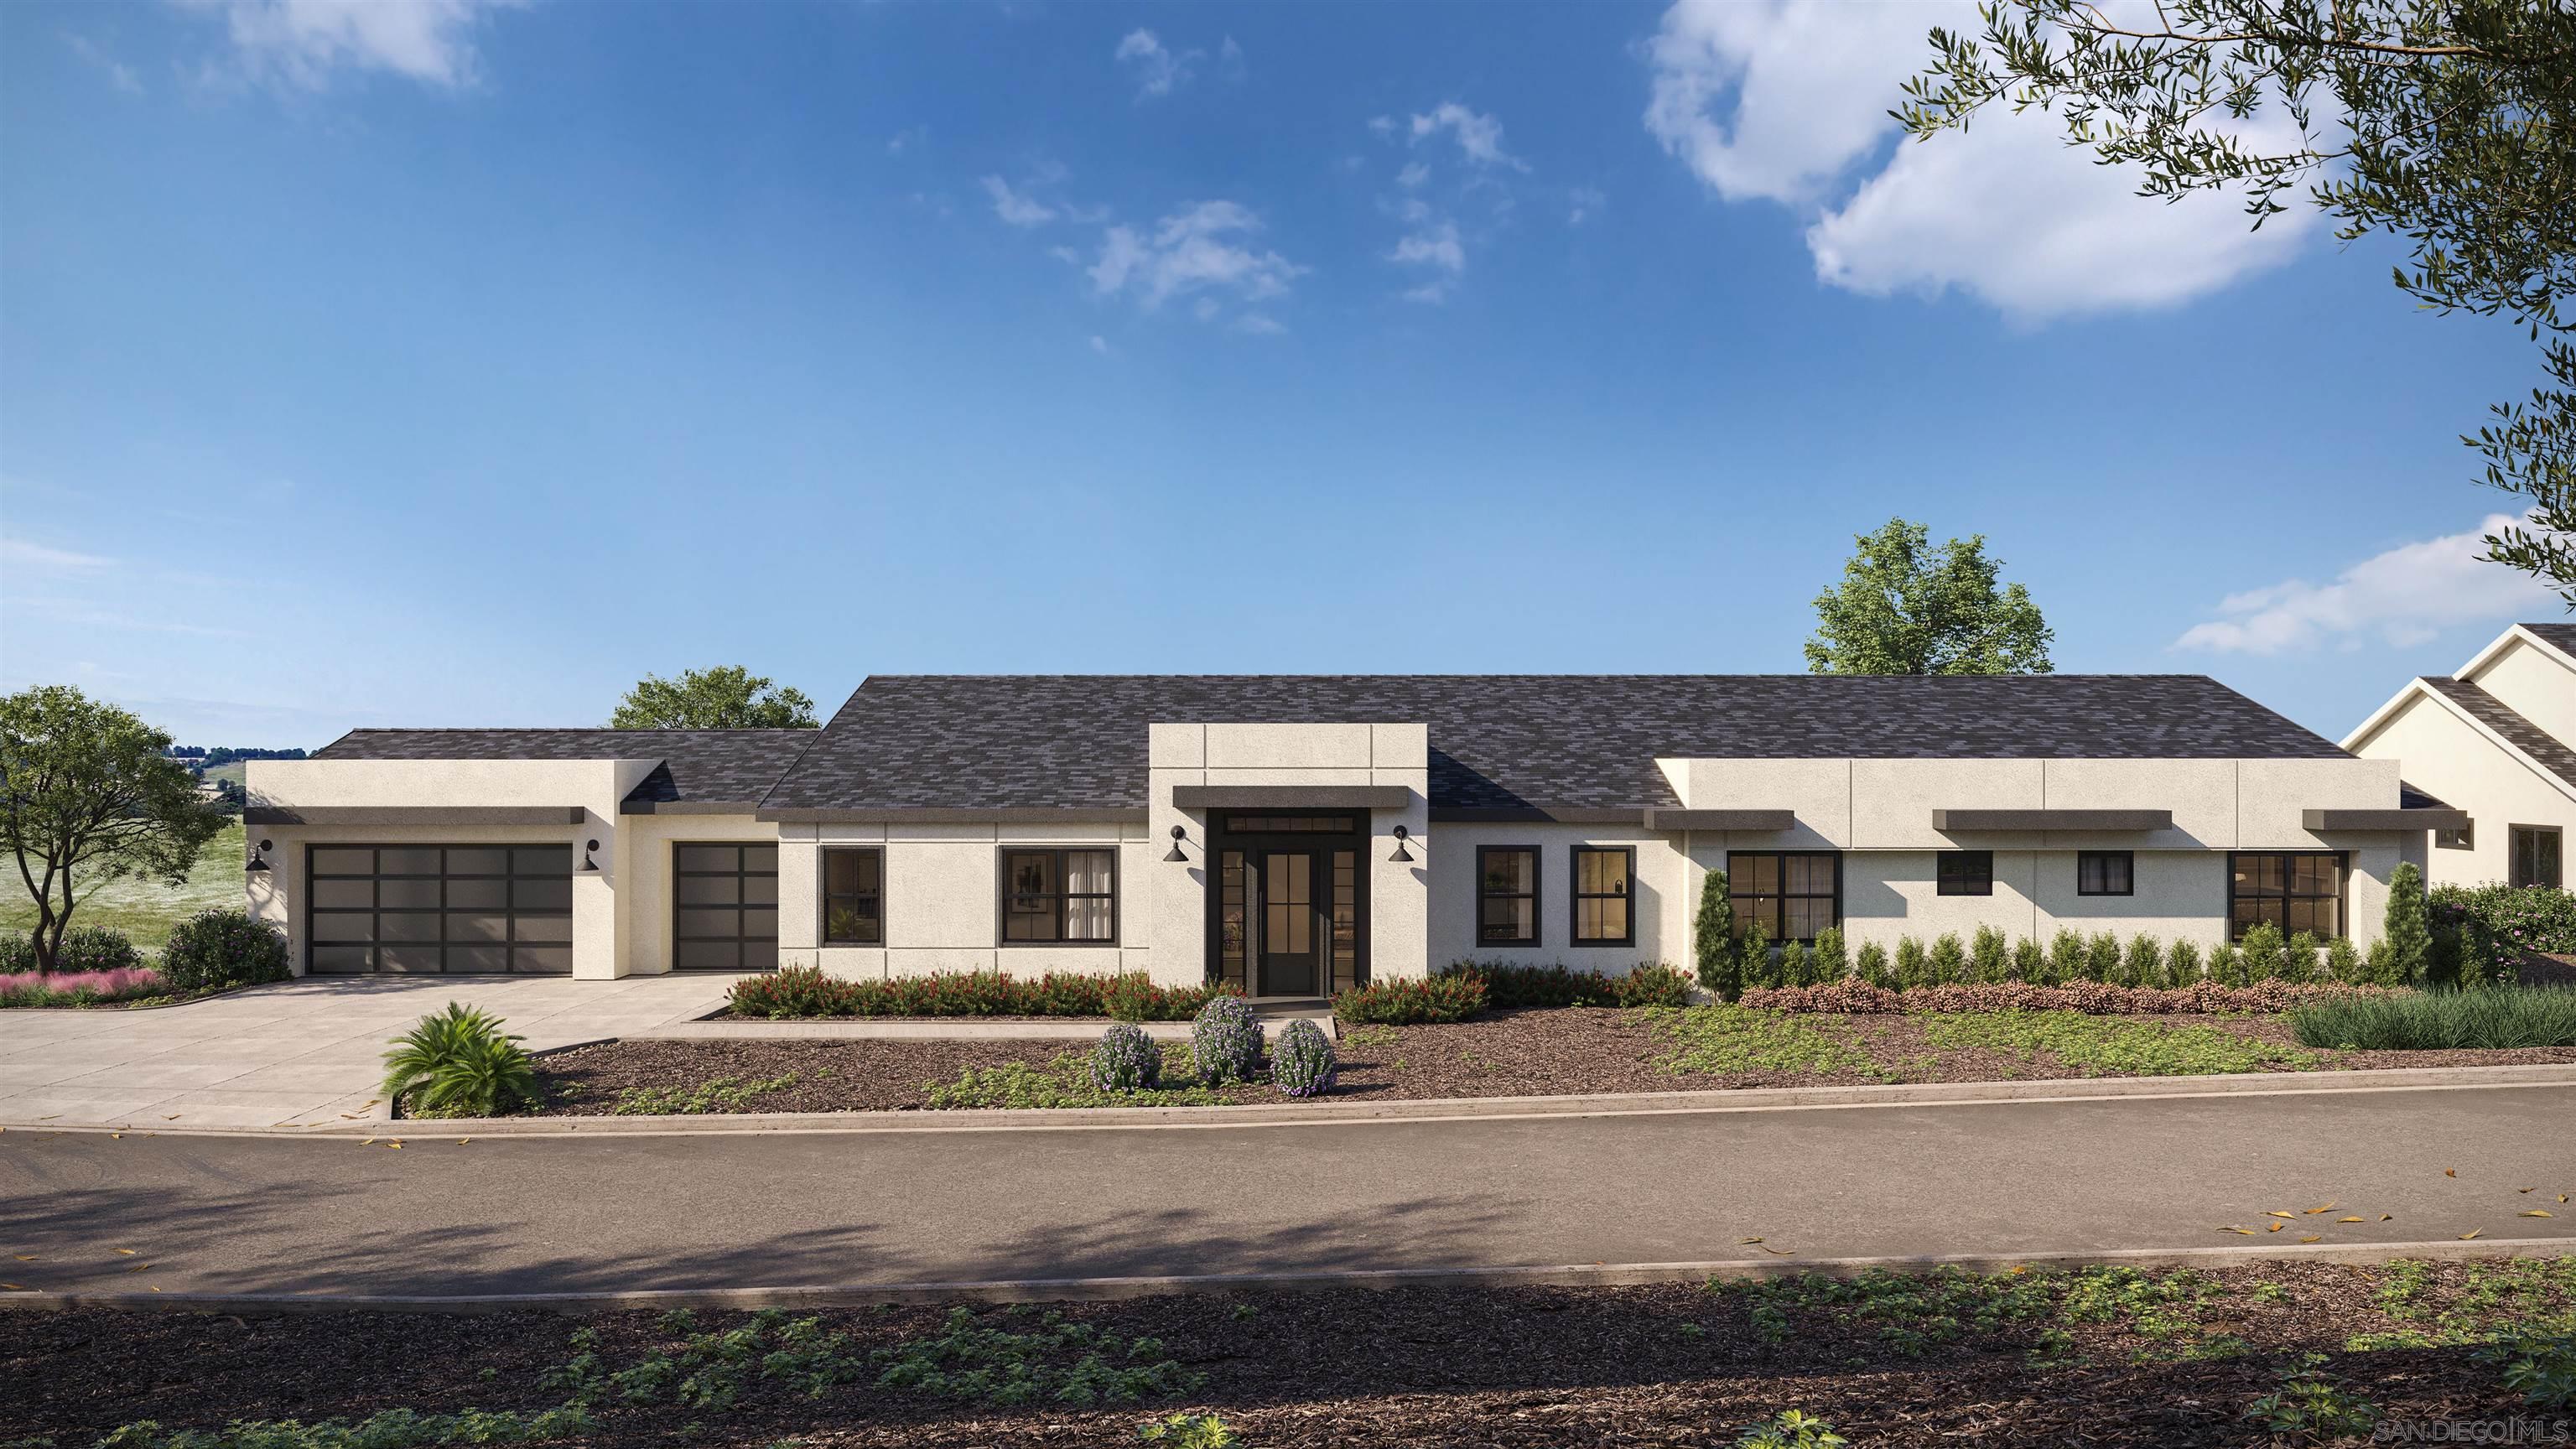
{"x":1663,"y":1364}
{"x":1542,"y":1052}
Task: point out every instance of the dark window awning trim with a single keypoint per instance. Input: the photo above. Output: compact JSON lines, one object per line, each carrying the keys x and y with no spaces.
{"x":941,"y":815}
{"x":688,"y":807}
{"x":414,"y":815}
{"x":2442,"y":819}
{"x":2106,"y":821}
{"x":1291,"y":797}
{"x":1658,"y":819}
{"x":1533,"y":815}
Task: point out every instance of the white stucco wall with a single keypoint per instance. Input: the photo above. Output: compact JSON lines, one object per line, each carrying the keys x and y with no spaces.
{"x":942,"y":899}
{"x":1661,"y":896}
{"x":2533,"y":681}
{"x":2464,"y":767}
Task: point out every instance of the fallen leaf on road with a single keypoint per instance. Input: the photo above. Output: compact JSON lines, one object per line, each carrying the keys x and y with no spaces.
{"x":173,"y":1117}
{"x":2309,"y":1238}
{"x":1780,"y":1252}
{"x":461,"y":1141}
{"x":119,"y":1137}
{"x":370,"y":1142}
{"x":2249,"y":1232}
{"x":2349,"y":1220}
{"x":139,"y":1267}
{"x":2540,"y":1213}
{"x":14,"y":1287}
{"x":2471,"y":1233}
{"x":2450,"y":1172}
{"x":24,"y":1257}
{"x":2523,"y":1189}
{"x":2276,"y":1227}
{"x":129,"y":1252}
{"x":2388,"y":1217}
{"x":2329,"y":1207}
{"x":1746,"y":1242}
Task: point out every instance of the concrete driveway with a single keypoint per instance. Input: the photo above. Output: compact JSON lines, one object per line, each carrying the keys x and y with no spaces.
{"x":298,"y":1052}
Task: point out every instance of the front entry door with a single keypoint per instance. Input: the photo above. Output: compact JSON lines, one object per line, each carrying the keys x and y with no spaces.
{"x":1292,"y":934}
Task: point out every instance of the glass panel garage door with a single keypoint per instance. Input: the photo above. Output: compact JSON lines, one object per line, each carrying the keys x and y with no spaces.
{"x":439,"y":908}
{"x":724,"y":904}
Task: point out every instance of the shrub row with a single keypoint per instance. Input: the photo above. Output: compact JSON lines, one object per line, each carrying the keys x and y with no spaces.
{"x":1991,"y":958}
{"x":1412,"y":1001}
{"x":2481,"y":933}
{"x":1507,"y":986}
{"x":212,"y":950}
{"x":803,"y":991}
{"x":1851,"y":995}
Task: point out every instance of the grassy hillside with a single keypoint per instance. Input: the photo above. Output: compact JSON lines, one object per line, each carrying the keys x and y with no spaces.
{"x":232,"y":772}
{"x":144,"y":910}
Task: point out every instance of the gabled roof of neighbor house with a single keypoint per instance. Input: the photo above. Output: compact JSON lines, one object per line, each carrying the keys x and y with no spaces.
{"x":2544,"y":748}
{"x":1078,"y":742}
{"x":698,"y":766}
{"x":2561,"y":637}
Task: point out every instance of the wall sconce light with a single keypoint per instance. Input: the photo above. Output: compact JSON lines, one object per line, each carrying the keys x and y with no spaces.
{"x":1176,"y":853}
{"x":1401,"y":854}
{"x":258,"y":865}
{"x":588,"y":865}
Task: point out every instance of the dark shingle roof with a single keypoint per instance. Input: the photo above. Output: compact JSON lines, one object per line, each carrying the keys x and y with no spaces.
{"x":1547,"y":741}
{"x":2561,"y":637}
{"x":697,"y":765}
{"x":2492,"y":712}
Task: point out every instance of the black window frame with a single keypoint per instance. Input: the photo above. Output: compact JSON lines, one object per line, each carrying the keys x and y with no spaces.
{"x":1576,"y":895}
{"x":740,"y":874}
{"x":2514,"y":836}
{"x":2341,"y":895}
{"x":824,"y":883}
{"x":1964,"y":873}
{"x":1780,"y":911}
{"x":2128,"y":860}
{"x":511,"y":911}
{"x":1537,"y":923}
{"x":1003,"y":896}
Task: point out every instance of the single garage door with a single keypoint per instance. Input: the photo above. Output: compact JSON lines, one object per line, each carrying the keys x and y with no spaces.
{"x":440,"y":908}
{"x":724,"y":907}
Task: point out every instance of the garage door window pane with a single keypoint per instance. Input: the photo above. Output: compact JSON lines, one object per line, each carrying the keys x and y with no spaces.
{"x":413,"y":959}
{"x":408,"y":862}
{"x":760,"y":890}
{"x":478,"y":958}
{"x":542,"y":960}
{"x":542,"y":860}
{"x":477,"y":895}
{"x":543,"y":928}
{"x":709,"y":925}
{"x":760,"y":858}
{"x":344,"y":862}
{"x":462,"y":926}
{"x":708,"y":956}
{"x":710,"y":890}
{"x":336,"y":895}
{"x":541,"y":895}
{"x":760,"y":925}
{"x":330,"y":959}
{"x":407,"y":926}
{"x":726,"y":858}
{"x":478,"y":862}
{"x":407,"y":895}
{"x":343,"y":926}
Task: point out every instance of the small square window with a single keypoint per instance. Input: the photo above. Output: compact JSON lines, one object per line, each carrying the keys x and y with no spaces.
{"x":2534,"y":856}
{"x":854,"y":897}
{"x":2105,"y":873}
{"x":1967,"y":873}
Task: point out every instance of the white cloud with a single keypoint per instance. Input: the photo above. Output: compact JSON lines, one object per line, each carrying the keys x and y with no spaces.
{"x":905,"y":139}
{"x":1259,"y":324}
{"x":1480,"y":137}
{"x":302,"y":42}
{"x":1156,"y":68}
{"x":1435,"y":246}
{"x":1203,"y":248}
{"x":18,"y":553}
{"x":1413,"y":175}
{"x":1581,"y":203}
{"x":2404,"y":596}
{"x":1018,"y":208}
{"x":1100,"y":344}
{"x":1787,"y":100}
{"x":119,"y":74}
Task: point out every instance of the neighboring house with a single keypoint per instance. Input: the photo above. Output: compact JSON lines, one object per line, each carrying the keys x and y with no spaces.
{"x":2498,"y":741}
{"x":1299,"y":834}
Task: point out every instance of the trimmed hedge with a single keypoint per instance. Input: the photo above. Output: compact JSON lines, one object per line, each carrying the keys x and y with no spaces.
{"x":1509,"y":986}
{"x":805,"y":991}
{"x":218,"y":948}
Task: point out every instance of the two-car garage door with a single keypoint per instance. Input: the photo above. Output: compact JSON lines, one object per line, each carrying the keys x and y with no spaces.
{"x":434,"y":908}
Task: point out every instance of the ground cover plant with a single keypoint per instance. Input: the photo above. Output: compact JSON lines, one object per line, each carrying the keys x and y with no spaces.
{"x":81,"y":988}
{"x":793,"y":992}
{"x":2492,"y":1017}
{"x":2122,"y":1358}
{"x":2113,"y":1046}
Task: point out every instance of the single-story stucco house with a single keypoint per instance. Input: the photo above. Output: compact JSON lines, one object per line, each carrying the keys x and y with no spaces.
{"x":2496,"y":740}
{"x":1300,"y":834}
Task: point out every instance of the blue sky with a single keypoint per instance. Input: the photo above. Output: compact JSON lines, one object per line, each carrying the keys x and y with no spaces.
{"x":449,"y":363}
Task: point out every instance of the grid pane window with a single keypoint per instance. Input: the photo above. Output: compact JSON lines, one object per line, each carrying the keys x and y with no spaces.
{"x":724,"y":904}
{"x":1051,"y":896}
{"x":1602,"y":877}
{"x":854,"y":897}
{"x":2105,"y":873}
{"x":1967,"y":873}
{"x":1229,"y":920}
{"x":2294,"y":891}
{"x":1346,"y":920}
{"x":1794,"y":894}
{"x":439,"y":908}
{"x":1506,"y":895}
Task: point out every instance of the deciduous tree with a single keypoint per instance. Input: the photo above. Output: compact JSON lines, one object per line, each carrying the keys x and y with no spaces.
{"x":726,"y":698}
{"x":1904,"y":607}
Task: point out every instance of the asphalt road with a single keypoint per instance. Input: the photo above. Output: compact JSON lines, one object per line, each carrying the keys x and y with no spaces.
{"x":516,"y":1215}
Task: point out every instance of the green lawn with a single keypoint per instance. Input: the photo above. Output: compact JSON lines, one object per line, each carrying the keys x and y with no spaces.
{"x":144,"y":910}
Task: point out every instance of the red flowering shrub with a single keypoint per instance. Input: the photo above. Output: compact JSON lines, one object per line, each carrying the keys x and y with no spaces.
{"x":1509,"y":986}
{"x":1450,"y":996}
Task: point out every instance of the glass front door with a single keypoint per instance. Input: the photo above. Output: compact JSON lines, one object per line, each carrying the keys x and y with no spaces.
{"x":1288,"y":905}
{"x":1290,"y":924}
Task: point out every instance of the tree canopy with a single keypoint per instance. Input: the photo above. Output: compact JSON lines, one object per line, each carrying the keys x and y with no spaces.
{"x":87,"y":796}
{"x":2448,"y":123}
{"x":729,"y":697}
{"x":1904,"y":607}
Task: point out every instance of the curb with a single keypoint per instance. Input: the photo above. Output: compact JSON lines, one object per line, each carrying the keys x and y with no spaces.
{"x":1062,"y":1290}
{"x":1474,"y":1109}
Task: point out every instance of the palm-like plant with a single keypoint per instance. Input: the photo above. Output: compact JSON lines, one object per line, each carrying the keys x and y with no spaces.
{"x":458,"y":1063}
